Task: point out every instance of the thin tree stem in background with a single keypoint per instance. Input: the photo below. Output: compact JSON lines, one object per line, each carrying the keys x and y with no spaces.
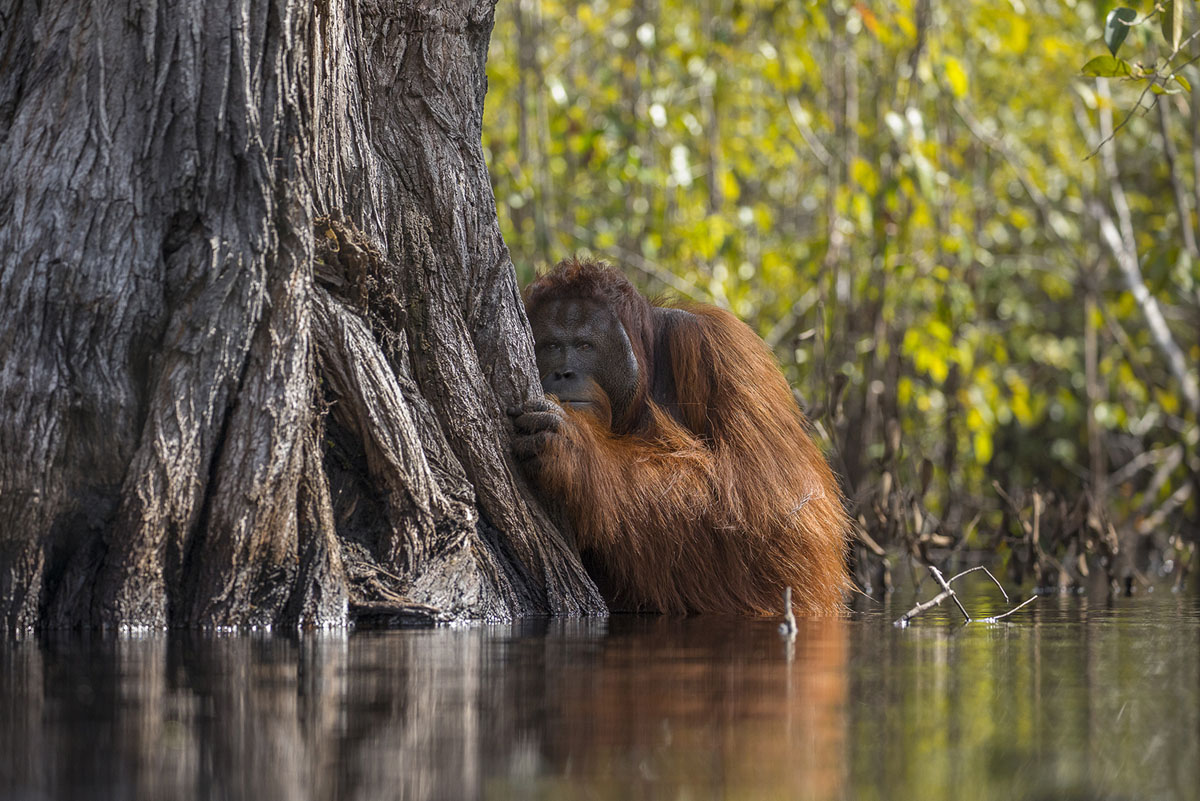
{"x":1122,"y":241}
{"x":1177,"y":187}
{"x":1195,"y":126}
{"x":1098,"y":463}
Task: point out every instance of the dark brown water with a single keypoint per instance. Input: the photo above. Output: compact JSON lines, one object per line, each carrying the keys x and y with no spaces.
{"x":1069,"y":700}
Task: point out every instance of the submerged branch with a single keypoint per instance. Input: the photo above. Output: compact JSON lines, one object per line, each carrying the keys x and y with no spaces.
{"x":948,"y":592}
{"x":922,"y":607}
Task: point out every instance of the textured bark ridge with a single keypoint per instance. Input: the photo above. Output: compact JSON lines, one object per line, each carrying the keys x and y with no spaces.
{"x":257,"y":323}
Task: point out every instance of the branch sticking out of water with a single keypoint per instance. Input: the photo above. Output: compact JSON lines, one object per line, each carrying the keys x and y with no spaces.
{"x":999,"y":586}
{"x":948,"y":592}
{"x":788,"y":627}
{"x":1028,"y":600}
{"x":945,"y":585}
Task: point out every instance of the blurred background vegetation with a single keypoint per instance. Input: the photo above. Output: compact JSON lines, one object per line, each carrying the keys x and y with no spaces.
{"x":992,"y":319}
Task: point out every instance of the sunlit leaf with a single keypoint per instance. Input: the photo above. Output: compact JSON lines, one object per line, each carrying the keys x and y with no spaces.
{"x":1107,"y":67}
{"x":730,"y":187}
{"x":1116,"y":27}
{"x":868,"y":17}
{"x":940,"y":331}
{"x":956,"y":76}
{"x":1165,"y":89}
{"x":865,"y":175}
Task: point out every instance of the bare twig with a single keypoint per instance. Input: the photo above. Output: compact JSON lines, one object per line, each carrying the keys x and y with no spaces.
{"x":989,"y":575}
{"x":945,"y":585}
{"x":1159,"y":517}
{"x":1169,"y":453}
{"x":1108,"y":135}
{"x":921,"y":607}
{"x":868,"y":541}
{"x":806,"y":132}
{"x":1027,"y":601}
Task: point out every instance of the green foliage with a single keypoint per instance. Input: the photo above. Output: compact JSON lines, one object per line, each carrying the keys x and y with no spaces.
{"x":1108,"y":67}
{"x":1116,"y":27}
{"x":1161,"y":72}
{"x":896,"y":195}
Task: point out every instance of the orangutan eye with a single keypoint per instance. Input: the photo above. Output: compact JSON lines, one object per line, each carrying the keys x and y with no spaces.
{"x":585,"y":345}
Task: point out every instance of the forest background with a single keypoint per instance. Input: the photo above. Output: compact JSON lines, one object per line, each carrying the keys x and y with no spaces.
{"x":988,"y":302}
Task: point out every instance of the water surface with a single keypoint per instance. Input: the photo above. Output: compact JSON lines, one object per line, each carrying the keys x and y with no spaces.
{"x":1066,"y":700}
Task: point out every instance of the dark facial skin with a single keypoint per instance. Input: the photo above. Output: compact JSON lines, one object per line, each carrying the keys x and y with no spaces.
{"x":581,"y":348}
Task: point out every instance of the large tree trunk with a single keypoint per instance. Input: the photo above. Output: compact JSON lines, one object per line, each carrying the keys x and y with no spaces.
{"x":257,"y":323}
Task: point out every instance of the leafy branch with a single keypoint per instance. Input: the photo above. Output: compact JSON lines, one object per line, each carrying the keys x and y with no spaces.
{"x":1162,"y":77}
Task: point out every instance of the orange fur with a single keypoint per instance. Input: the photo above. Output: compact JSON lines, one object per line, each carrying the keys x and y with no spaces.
{"x":719,"y":510}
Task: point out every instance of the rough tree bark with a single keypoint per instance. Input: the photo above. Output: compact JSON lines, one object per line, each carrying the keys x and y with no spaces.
{"x":257,"y":322}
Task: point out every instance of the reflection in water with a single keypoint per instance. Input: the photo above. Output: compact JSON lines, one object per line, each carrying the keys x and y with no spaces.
{"x":678,"y":708}
{"x":1066,"y":700}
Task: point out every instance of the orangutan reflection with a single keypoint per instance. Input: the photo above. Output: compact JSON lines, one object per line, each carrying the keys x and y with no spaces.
{"x":711,"y":706}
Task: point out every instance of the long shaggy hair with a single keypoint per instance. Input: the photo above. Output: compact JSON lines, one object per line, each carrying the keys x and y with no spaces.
{"x":713,"y":500}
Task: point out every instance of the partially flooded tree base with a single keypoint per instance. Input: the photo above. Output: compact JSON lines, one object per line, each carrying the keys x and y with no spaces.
{"x":415,"y":550}
{"x":259,"y":324}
